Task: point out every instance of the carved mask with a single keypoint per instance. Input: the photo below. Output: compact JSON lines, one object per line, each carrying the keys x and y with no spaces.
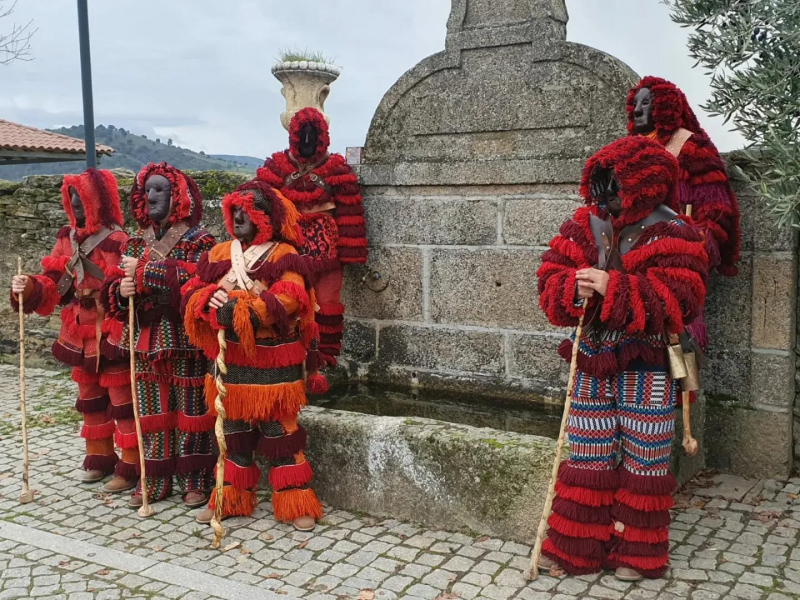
{"x":643,"y":111}
{"x":243,"y":227}
{"x":77,"y":207}
{"x":605,"y":190}
{"x":159,"y":197}
{"x":309,"y":137}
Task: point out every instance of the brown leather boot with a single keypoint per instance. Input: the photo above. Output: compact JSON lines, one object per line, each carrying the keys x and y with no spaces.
{"x":195,"y":499}
{"x":304,"y":523}
{"x":92,"y":476}
{"x":136,"y":501}
{"x":628,"y":574}
{"x":119,"y":484}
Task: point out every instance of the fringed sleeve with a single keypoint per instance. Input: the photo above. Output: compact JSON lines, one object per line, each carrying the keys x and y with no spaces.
{"x":663,"y":286}
{"x":115,"y":305}
{"x":715,"y":209}
{"x":571,"y":250}
{"x":41,"y":294}
{"x":349,"y":214}
{"x":200,"y":323}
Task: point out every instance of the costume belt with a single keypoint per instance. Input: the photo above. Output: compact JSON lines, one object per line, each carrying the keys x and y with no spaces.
{"x":307,"y":169}
{"x":242,"y":262}
{"x":79,"y":264}
{"x":161,"y":248}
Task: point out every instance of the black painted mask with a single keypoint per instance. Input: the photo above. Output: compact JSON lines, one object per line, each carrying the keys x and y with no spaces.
{"x":309,"y":137}
{"x":159,"y":197}
{"x":243,"y":227}
{"x":605,"y":191}
{"x":77,"y":207}
{"x":643,"y":111}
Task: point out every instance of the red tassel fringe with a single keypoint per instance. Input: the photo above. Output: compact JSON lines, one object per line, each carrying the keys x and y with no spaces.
{"x":284,"y":446}
{"x":283,"y":477}
{"x":195,"y":424}
{"x":642,"y":502}
{"x":579,"y":530}
{"x":195,"y":462}
{"x":585,"y":496}
{"x":241,"y":477}
{"x":98,"y":432}
{"x":573,"y":565}
{"x":583,"y":514}
{"x":572,"y":546}
{"x":653,"y":485}
{"x":317,"y":384}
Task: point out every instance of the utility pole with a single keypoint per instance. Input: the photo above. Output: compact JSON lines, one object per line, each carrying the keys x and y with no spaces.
{"x":86,"y":81}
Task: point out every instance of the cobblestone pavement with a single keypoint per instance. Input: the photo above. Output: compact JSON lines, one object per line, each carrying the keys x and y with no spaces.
{"x":74,"y":543}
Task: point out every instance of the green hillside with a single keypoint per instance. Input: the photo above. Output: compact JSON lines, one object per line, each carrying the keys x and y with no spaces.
{"x":132,"y":152}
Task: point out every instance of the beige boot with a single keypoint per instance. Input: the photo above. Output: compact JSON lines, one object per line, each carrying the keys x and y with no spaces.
{"x":92,"y":476}
{"x":304,"y":523}
{"x":205,"y":516}
{"x":627,"y":574}
{"x":119,"y":484}
{"x":545,"y":563}
{"x":195,"y":499}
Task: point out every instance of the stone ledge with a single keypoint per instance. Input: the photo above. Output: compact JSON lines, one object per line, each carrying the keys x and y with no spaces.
{"x":442,"y":475}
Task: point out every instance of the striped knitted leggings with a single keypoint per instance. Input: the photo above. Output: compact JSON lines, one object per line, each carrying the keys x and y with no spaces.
{"x":101,"y":401}
{"x":281,"y":443}
{"x":613,"y":495}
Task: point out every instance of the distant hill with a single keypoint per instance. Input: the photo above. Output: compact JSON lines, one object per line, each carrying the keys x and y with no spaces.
{"x":247,"y":161}
{"x":132,"y":152}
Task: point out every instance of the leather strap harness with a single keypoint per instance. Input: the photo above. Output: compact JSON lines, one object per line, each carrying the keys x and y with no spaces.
{"x":79,"y":264}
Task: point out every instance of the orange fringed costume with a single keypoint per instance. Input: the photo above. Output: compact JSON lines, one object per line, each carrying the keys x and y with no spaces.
{"x":270,"y":332}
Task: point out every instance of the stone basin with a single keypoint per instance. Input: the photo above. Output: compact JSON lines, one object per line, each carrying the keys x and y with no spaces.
{"x":444,"y":475}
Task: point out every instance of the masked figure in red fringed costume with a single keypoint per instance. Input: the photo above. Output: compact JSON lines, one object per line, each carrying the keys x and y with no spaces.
{"x":326,"y":192}
{"x":659,"y":110}
{"x":642,"y":268}
{"x":259,"y":290}
{"x":157,"y":261}
{"x":86,"y":251}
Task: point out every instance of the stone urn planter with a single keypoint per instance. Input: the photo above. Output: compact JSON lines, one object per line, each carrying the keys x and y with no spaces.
{"x":305,"y":83}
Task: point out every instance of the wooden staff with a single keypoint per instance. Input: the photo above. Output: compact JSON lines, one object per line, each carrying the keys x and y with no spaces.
{"x":533,"y":573}
{"x":145,"y":510}
{"x":690,"y":444}
{"x":27,"y":495}
{"x":219,"y":431}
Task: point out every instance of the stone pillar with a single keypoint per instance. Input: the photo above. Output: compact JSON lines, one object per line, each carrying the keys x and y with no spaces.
{"x":305,"y":83}
{"x":471,"y":164}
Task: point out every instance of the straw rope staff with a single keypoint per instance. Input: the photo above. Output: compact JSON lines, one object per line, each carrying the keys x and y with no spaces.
{"x":145,"y":510}
{"x":533,"y":573}
{"x":27,"y":495}
{"x":219,"y":432}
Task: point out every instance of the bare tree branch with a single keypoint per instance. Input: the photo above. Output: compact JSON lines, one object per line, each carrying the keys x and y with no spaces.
{"x":16,"y":44}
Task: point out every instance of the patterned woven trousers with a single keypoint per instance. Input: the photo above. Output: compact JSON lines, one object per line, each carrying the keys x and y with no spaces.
{"x":176,"y":429}
{"x":98,"y":394}
{"x":614,"y":493}
{"x":282,"y":444}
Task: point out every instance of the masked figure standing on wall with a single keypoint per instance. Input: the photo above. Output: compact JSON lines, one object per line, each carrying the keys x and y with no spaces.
{"x":642,"y":268}
{"x":259,"y":291}
{"x":86,"y":252}
{"x":156,"y":262}
{"x":657,"y":109}
{"x":325,"y":191}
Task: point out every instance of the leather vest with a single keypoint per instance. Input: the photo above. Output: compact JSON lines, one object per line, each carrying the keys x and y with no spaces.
{"x":611,"y":248}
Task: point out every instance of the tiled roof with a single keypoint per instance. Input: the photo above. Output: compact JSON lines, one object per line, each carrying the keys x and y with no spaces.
{"x":14,"y":136}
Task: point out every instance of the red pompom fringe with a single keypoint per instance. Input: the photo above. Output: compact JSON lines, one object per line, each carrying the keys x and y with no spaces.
{"x":100,"y":462}
{"x":282,"y":477}
{"x":317,"y":384}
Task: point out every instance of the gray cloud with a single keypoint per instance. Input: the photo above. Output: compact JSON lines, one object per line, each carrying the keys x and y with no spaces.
{"x":199,"y":71}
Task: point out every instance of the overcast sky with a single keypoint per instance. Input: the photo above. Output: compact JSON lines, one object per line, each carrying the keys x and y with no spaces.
{"x":199,"y":72}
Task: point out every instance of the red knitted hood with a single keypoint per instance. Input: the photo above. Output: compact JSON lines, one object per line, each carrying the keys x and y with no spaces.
{"x":671,"y":109}
{"x":647,"y":175}
{"x":100,"y":198}
{"x":274,"y":216}
{"x":187,"y":202}
{"x":315,"y":118}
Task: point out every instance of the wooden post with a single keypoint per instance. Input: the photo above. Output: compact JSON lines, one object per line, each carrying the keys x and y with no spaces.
{"x":26,"y":496}
{"x":145,"y":510}
{"x":219,"y":432}
{"x":533,"y":573}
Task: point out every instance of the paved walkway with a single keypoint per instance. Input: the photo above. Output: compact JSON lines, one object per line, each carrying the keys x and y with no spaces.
{"x":731,"y":539}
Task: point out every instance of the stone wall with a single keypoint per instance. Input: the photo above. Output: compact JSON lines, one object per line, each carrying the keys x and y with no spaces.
{"x":31,"y":214}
